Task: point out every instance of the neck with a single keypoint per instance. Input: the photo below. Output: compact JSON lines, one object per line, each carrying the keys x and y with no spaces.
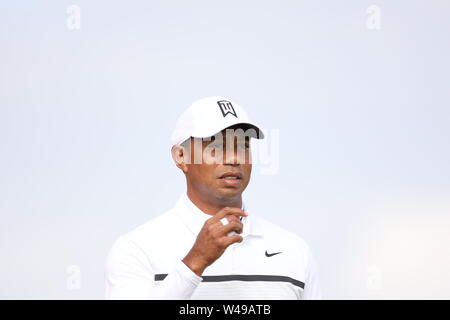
{"x":212,"y":205}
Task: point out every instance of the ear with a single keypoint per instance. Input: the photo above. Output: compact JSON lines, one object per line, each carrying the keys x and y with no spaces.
{"x":179,"y":157}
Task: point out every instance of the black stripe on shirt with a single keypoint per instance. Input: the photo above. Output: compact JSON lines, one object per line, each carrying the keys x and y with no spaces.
{"x":242,"y":277}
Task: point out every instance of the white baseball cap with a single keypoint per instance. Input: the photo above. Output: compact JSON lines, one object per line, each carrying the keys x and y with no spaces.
{"x":208,"y":116}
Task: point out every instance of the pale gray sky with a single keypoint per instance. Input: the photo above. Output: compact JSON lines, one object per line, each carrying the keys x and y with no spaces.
{"x":362,"y":108}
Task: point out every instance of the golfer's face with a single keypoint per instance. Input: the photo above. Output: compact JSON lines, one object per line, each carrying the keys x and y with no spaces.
{"x":221,"y":165}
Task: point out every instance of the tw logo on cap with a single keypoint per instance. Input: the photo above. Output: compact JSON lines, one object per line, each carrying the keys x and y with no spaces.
{"x":226,"y":107}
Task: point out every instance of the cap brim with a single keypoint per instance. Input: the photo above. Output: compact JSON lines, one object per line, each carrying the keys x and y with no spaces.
{"x":251,"y":130}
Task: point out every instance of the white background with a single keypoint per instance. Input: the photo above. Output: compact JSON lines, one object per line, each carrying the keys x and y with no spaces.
{"x":363,"y":117}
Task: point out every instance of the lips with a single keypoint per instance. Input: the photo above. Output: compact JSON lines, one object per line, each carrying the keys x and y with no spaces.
{"x":231,"y":175}
{"x":230,"y":179}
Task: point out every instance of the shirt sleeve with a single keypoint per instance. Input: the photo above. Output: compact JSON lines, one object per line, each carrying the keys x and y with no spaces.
{"x":129,"y":275}
{"x":313,"y":289}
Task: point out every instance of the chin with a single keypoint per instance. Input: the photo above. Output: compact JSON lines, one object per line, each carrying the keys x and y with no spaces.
{"x":229,"y":192}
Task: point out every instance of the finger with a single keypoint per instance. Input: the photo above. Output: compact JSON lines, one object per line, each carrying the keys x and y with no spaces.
{"x":229,"y":211}
{"x":230,"y":217}
{"x":232,"y":226}
{"x":226,"y":215}
{"x":232,"y":239}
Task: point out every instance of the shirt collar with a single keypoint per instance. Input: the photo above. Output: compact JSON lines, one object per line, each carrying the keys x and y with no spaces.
{"x":194,"y":218}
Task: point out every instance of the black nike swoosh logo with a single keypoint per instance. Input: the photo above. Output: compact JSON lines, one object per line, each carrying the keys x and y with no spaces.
{"x":272,"y":254}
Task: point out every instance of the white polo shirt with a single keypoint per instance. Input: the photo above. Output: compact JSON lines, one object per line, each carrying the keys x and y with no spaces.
{"x":270,"y":263}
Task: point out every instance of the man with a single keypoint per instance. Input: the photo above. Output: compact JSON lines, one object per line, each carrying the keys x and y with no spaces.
{"x":209,"y":245}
